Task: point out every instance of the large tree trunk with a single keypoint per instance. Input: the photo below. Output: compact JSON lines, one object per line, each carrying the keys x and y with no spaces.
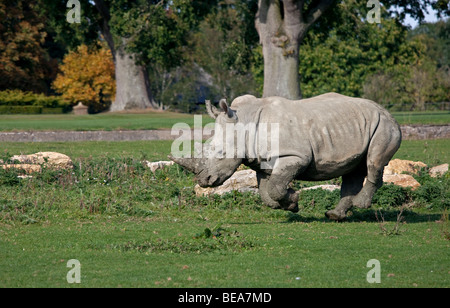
{"x":132,"y":84}
{"x":282,"y":27}
{"x":281,"y":66}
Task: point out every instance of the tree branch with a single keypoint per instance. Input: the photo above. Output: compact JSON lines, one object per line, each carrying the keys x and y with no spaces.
{"x":317,"y":10}
{"x":293,"y":12}
{"x":105,"y":15}
{"x":293,"y":19}
{"x":268,"y":18}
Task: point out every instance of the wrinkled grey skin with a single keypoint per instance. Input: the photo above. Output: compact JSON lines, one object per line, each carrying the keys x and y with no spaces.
{"x":321,"y":138}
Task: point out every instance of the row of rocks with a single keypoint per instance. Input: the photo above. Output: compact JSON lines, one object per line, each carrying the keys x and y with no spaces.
{"x":398,"y":172}
{"x":56,"y":161}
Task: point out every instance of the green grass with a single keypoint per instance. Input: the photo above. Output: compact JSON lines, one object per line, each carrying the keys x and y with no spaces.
{"x":282,"y":253}
{"x":423,"y":117}
{"x":431,"y":152}
{"x":155,"y":120}
{"x":129,"y":227}
{"x":154,"y":150}
{"x":106,"y":121}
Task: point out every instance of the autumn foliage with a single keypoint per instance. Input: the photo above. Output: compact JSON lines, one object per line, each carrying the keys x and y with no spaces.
{"x":87,"y":76}
{"x":24,"y":64}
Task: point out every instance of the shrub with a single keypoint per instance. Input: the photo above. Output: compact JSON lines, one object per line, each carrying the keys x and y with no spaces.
{"x":319,"y":199}
{"x":390,"y":195}
{"x":16,"y":101}
{"x":433,"y":192}
{"x":8,"y":177}
{"x":20,"y":109}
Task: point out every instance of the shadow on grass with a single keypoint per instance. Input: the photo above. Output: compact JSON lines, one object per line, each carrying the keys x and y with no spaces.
{"x":366,"y":215}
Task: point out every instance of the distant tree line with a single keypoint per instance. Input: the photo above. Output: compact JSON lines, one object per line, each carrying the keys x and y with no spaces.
{"x":159,"y":54}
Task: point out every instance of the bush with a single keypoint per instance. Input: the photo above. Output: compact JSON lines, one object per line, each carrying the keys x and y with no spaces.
{"x":390,"y":195}
{"x":20,"y":109}
{"x":318,"y":199}
{"x":433,"y":192}
{"x":87,"y":76}
{"x":15,"y":101}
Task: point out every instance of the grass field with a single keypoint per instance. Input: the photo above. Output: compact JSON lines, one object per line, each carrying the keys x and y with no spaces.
{"x":105,"y":121}
{"x":129,"y":227}
{"x":155,"y":120}
{"x":425,"y":117}
{"x":431,"y":152}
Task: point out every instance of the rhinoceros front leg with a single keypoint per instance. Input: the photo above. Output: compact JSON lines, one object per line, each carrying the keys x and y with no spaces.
{"x":274,"y":188}
{"x":263,"y":180}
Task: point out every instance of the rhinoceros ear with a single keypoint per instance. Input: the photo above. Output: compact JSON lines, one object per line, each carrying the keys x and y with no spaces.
{"x":223,"y":104}
{"x":212,"y":111}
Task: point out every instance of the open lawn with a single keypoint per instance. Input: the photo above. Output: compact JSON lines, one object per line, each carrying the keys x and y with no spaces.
{"x":431,"y":152}
{"x":129,"y":227}
{"x":155,"y":120}
{"x":104,"y":121}
{"x":422,"y":117}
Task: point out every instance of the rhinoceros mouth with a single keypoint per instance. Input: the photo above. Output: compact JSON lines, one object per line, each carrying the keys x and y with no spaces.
{"x":205,"y":180}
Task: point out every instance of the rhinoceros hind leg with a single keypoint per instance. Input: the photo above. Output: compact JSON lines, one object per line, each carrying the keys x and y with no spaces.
{"x":352,"y":184}
{"x":383,"y":146}
{"x":364,"y":199}
{"x":340,"y":212}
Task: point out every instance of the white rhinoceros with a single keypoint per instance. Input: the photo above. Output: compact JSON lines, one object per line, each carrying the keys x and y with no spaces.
{"x":318,"y":138}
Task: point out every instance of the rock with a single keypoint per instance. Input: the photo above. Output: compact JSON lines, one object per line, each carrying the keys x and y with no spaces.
{"x":438,"y":170}
{"x":157,"y":165}
{"x":243,"y":181}
{"x":324,"y":187}
{"x":394,"y":172}
{"x":52,"y":160}
{"x":403,"y":180}
{"x":399,"y":166}
{"x":28,"y":168}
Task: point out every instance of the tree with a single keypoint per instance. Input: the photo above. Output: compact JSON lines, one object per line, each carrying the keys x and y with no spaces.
{"x":87,"y":75}
{"x":24,"y":64}
{"x":139,"y":33}
{"x":223,"y":48}
{"x":283,"y":24}
{"x":340,"y":60}
{"x":217,"y":59}
{"x":423,"y":81}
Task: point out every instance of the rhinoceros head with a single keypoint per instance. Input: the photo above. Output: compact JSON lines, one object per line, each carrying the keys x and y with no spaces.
{"x":214,"y":167}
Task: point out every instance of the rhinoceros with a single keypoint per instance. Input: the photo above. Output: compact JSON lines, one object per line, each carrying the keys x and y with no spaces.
{"x":319,"y":138}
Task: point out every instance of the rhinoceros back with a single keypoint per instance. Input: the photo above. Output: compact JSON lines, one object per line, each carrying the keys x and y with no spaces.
{"x":332,"y":130}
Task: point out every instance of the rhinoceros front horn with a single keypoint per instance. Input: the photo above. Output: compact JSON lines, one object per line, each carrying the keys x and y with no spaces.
{"x":195,"y":165}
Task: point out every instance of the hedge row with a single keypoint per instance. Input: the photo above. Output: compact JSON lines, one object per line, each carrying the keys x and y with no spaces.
{"x":30,"y":110}
{"x":15,"y":101}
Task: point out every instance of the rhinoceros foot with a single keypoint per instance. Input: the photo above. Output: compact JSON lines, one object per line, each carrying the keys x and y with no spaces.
{"x":290,"y":202}
{"x":336,"y":215}
{"x":293,"y":208}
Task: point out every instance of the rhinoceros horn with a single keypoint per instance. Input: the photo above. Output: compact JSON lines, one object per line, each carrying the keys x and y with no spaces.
{"x":195,"y":165}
